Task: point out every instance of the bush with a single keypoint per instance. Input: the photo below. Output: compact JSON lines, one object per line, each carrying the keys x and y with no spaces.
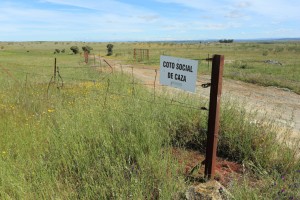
{"x":265,"y":53}
{"x":109,"y":49}
{"x":74,"y":49}
{"x":241,"y":65}
{"x":87,"y":49}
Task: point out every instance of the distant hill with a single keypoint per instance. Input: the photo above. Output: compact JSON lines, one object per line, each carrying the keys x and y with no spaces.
{"x":235,"y":40}
{"x":269,"y":40}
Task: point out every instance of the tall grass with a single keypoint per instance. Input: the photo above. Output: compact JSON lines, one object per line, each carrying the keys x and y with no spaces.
{"x":81,"y":142}
{"x":271,"y":167}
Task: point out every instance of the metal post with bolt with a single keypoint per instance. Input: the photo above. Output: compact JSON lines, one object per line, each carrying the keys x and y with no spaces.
{"x":214,"y":115}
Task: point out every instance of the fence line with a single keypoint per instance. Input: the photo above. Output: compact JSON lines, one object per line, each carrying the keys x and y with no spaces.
{"x":25,"y":72}
{"x":95,"y":80}
{"x":106,"y":79}
{"x":76,"y":67}
{"x":172,"y":102}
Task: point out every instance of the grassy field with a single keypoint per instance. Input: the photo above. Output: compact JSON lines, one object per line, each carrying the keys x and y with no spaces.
{"x":269,"y":64}
{"x":100,"y":137}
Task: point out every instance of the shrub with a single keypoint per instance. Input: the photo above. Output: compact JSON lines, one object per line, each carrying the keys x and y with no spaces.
{"x":87,"y":49}
{"x":74,"y":49}
{"x":265,"y":53}
{"x":241,"y":65}
{"x":109,"y":49}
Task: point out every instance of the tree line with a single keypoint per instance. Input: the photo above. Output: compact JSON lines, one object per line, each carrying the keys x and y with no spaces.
{"x":226,"y":41}
{"x":87,"y":49}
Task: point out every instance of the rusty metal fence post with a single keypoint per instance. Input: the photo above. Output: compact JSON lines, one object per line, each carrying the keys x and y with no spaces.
{"x":86,"y":57}
{"x":214,"y":114}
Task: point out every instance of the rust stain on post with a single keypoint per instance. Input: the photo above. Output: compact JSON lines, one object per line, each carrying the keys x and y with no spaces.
{"x":214,"y":114}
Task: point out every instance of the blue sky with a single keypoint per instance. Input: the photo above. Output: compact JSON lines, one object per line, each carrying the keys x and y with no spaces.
{"x":147,"y":20}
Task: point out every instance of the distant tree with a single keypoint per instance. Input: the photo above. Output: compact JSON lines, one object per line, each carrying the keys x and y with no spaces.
{"x":226,"y":41}
{"x":110,"y":49}
{"x":74,"y":49}
{"x":87,"y":49}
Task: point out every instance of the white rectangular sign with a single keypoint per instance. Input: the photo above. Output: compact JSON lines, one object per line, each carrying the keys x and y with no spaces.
{"x":178,"y":72}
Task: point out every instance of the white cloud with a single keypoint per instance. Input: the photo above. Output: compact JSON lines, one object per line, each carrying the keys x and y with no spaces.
{"x":196,"y":4}
{"x":268,"y":8}
{"x":106,"y":6}
{"x":272,"y":9}
{"x":234,"y":14}
{"x":243,"y":4}
{"x":149,"y":18}
{"x":23,"y":19}
{"x":171,"y":19}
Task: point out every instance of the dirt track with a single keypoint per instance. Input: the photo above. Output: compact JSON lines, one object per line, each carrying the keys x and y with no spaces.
{"x":279,"y":105}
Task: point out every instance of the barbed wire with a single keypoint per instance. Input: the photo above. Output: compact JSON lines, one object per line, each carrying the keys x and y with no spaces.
{"x":107,"y":92}
{"x":31,"y":65}
{"x":76,"y":67}
{"x":26,"y":72}
{"x":166,"y":101}
{"x":97,"y":80}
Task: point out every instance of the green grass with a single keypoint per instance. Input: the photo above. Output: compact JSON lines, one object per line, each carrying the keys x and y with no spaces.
{"x":80,"y":143}
{"x":98,"y":137}
{"x":243,"y":61}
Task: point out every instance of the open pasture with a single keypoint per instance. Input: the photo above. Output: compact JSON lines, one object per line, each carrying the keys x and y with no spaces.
{"x":264,"y":63}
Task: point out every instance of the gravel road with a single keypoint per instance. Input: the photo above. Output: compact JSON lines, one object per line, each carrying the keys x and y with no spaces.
{"x":280,"y":105}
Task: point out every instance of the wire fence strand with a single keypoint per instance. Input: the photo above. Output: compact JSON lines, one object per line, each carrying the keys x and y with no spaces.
{"x":106,"y":79}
